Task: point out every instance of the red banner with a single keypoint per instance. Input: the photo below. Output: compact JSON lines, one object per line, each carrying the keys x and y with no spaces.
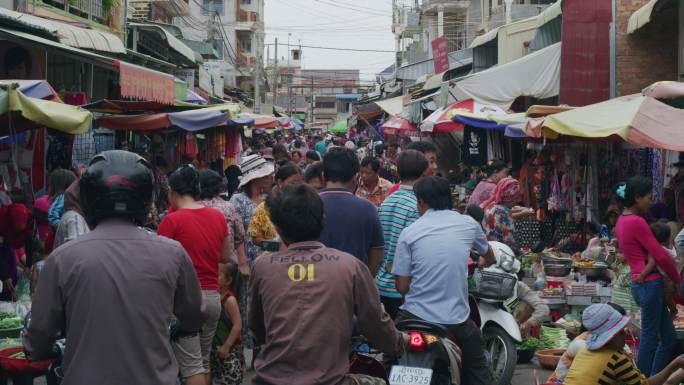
{"x":145,"y":84}
{"x":440,"y":54}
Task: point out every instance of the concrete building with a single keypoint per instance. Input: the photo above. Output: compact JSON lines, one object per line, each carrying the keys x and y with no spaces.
{"x":416,"y":24}
{"x":320,"y":96}
{"x":234,"y":29}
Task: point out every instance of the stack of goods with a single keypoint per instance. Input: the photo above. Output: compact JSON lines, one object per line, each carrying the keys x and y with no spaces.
{"x":590,"y":289}
{"x":679,"y":317}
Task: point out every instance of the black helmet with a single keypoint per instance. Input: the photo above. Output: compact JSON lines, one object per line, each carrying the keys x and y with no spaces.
{"x":116,"y":184}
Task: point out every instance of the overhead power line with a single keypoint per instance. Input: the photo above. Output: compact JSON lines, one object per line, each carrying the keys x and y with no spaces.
{"x":341,"y":49}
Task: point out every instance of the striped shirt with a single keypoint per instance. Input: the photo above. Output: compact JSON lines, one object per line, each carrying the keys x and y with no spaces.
{"x":396,"y":213}
{"x":603,"y":367}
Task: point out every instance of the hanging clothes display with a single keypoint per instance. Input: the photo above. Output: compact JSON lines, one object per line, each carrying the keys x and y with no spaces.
{"x":83,"y":149}
{"x":58,"y":152}
{"x":474,"y":146}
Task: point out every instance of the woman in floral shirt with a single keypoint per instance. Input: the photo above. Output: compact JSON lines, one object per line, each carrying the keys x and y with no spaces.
{"x":256,"y":182}
{"x":499,"y":224}
{"x":212,"y":184}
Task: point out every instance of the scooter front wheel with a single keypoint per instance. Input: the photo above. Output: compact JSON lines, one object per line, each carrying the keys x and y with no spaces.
{"x":502,"y":353}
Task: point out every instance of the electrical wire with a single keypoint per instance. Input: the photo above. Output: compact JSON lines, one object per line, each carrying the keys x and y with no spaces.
{"x":372,"y":11}
{"x":339,"y":49}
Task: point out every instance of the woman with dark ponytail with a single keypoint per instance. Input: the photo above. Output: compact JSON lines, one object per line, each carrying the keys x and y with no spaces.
{"x":637,"y":242}
{"x":203,"y":233}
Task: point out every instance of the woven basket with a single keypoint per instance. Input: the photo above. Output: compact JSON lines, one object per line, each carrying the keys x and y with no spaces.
{"x":548,"y":358}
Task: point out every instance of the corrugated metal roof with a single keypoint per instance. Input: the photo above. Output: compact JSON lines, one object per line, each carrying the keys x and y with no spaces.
{"x":486,"y":38}
{"x":547,"y":34}
{"x":642,"y":16}
{"x":201,"y":47}
{"x":512,"y":39}
{"x":550,"y":13}
{"x":23,"y":37}
{"x":67,"y":34}
{"x":173,"y":42}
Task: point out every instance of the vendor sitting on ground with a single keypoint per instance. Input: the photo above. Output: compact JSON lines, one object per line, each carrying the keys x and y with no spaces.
{"x":530,"y":311}
{"x":604,"y":360}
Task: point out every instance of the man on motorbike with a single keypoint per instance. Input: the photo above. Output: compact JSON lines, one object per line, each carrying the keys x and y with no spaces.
{"x":114,"y":291}
{"x":431,"y":265}
{"x":303,"y":301}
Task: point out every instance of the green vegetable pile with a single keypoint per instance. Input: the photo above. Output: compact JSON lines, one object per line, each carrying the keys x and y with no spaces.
{"x":9,"y":342}
{"x":554,"y":338}
{"x":10,"y":321}
{"x":530,"y":343}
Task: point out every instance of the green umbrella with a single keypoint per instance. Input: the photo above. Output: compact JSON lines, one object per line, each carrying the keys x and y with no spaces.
{"x":340,"y":127}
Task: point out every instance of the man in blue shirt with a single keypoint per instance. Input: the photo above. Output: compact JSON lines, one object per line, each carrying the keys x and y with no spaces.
{"x":396,"y":213}
{"x":431,"y":265}
{"x":351,"y":223}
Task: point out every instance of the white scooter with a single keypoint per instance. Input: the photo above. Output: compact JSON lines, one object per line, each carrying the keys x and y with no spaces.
{"x":499,"y":328}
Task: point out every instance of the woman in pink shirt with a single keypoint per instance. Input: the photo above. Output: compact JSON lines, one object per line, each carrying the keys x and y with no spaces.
{"x":637,"y":242}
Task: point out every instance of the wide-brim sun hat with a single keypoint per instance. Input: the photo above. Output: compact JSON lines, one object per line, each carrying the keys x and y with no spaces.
{"x":254,"y":167}
{"x":604,"y":323}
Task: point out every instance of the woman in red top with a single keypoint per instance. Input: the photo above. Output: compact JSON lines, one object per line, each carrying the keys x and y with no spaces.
{"x":637,"y":242}
{"x":203,"y":232}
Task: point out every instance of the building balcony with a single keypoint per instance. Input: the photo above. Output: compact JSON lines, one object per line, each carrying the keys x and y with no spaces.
{"x":245,"y":20}
{"x":96,"y":10}
{"x":245,"y":59}
{"x":173,"y":7}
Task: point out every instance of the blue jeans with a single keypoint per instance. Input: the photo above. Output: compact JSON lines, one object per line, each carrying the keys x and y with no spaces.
{"x":658,"y":336}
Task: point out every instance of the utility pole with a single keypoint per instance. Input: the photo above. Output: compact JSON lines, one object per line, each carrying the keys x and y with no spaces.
{"x":257,"y":86}
{"x":275,"y":75}
{"x":257,"y":78}
{"x":311,"y":107}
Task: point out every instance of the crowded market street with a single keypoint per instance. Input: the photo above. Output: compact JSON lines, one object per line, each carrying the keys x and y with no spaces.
{"x":387,"y":192}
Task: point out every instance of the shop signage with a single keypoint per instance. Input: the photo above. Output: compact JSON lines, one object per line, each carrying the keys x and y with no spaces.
{"x":186,"y":75}
{"x":440,"y":54}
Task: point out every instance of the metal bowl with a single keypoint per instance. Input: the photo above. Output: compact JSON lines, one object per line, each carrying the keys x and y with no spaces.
{"x":593,"y":272}
{"x":550,"y":260}
{"x":557,"y":270}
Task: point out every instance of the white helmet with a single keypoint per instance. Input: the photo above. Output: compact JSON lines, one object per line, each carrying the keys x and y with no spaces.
{"x":505,"y":259}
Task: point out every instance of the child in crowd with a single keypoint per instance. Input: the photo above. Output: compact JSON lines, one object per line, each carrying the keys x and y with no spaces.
{"x":661,"y":231}
{"x":227,"y":359}
{"x":603,"y":360}
{"x":622,"y":290}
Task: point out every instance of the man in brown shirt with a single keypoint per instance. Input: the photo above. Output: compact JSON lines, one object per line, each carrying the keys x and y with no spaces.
{"x":372,"y":187}
{"x":115,"y":290}
{"x":304,"y":299}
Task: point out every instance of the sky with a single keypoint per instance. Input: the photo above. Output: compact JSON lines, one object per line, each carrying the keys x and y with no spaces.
{"x":362,"y":24}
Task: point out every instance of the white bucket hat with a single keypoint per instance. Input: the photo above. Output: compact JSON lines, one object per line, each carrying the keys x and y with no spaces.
{"x":254,"y":167}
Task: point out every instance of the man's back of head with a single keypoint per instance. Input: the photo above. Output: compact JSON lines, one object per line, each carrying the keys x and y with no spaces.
{"x":433,"y":192}
{"x":340,"y":166}
{"x":411,"y":164}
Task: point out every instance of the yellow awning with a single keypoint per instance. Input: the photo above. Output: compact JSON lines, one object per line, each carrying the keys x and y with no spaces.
{"x":600,"y":120}
{"x":641,"y":16}
{"x":59,"y":116}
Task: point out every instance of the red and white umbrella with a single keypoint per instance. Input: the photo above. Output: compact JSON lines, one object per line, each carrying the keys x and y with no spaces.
{"x":398,"y":125}
{"x":442,"y":119}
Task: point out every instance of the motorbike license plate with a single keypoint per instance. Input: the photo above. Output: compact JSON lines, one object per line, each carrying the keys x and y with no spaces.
{"x":406,"y":375}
